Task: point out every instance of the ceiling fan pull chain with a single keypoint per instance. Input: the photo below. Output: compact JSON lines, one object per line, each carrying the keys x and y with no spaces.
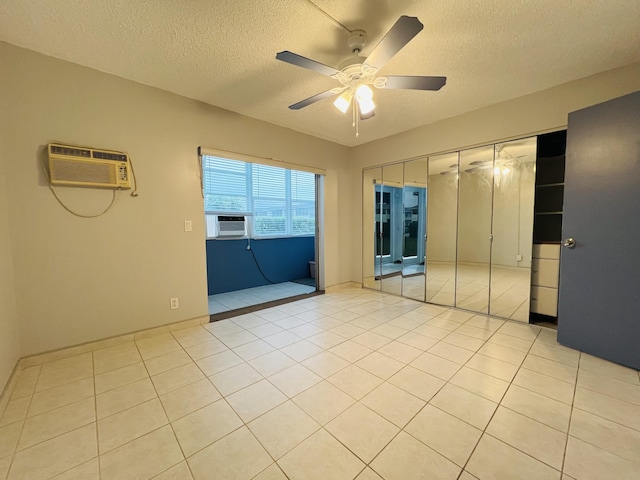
{"x":353,"y":121}
{"x":356,"y":122}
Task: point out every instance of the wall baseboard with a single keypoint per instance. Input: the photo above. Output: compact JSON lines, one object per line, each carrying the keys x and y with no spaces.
{"x":10,"y":385}
{"x":341,"y":286}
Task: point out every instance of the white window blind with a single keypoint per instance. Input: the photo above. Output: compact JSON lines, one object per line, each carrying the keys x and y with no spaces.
{"x":269,"y":201}
{"x":281,"y":201}
{"x":225,"y":185}
{"x":303,"y":203}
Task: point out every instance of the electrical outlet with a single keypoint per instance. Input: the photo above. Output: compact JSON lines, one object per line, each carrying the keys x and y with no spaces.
{"x":174,"y":303}
{"x":188,"y":226}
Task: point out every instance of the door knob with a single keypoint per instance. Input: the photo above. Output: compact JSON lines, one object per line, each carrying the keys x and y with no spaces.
{"x":569,"y":242}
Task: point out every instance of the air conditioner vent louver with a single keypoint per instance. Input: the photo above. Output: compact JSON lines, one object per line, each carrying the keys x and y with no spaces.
{"x":70,"y":151}
{"x":109,"y":156}
{"x":82,"y":173}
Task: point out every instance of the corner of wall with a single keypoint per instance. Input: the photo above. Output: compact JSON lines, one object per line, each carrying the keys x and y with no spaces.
{"x":9,"y":338}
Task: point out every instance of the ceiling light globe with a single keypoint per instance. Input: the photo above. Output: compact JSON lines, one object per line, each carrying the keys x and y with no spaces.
{"x":342,"y":102}
{"x":366,"y":105}
{"x":364,"y":92}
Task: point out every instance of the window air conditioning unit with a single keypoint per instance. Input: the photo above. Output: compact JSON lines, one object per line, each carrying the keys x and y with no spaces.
{"x":88,"y":167}
{"x":229,"y":226}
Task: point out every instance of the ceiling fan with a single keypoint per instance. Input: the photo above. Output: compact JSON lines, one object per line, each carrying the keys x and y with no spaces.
{"x":357,"y":73}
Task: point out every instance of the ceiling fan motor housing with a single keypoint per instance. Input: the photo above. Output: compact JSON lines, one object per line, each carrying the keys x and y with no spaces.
{"x":356,"y":41}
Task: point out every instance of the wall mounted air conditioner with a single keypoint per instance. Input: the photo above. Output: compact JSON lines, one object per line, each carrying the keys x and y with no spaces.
{"x":88,"y":167}
{"x":231,"y":226}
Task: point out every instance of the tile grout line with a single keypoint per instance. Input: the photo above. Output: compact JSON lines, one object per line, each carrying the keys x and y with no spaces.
{"x":322,"y":427}
{"x":24,"y":421}
{"x":573,"y":398}
{"x":224,"y":397}
{"x":359,"y":401}
{"x":175,"y":437}
{"x":573,"y":407}
{"x":428,"y":403}
{"x":95,"y":402}
{"x":484,"y":431}
{"x":288,"y":399}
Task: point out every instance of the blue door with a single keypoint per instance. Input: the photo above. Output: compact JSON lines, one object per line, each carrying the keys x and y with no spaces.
{"x":599,"y":296}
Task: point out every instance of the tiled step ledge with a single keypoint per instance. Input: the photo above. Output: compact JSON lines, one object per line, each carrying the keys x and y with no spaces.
{"x":41,"y":358}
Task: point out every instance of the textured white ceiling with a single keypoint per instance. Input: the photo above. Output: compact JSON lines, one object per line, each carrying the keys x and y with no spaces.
{"x":222,"y":52}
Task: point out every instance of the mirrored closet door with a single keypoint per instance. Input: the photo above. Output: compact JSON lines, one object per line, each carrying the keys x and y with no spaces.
{"x":394,"y":228}
{"x":414,"y":235}
{"x":475,"y":191}
{"x":512,"y":228}
{"x":371,"y":248}
{"x":442,"y":215}
{"x":454,"y":229}
{"x":390,"y":213}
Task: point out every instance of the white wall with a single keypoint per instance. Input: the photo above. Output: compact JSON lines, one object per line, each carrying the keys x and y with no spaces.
{"x":78,"y":280}
{"x":520,"y":117}
{"x":9,"y":342}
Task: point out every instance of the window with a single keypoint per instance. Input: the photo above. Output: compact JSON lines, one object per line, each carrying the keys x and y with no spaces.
{"x":280,"y":202}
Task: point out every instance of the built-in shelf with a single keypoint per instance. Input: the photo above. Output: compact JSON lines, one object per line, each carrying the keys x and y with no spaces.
{"x":547,"y":226}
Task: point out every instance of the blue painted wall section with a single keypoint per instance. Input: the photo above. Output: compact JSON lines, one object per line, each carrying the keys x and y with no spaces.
{"x":230,"y":266}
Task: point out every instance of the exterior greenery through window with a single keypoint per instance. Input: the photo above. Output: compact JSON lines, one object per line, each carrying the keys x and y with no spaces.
{"x":279,"y":202}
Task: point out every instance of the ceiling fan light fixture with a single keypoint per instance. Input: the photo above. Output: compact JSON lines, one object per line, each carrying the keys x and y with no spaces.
{"x":357,"y":74}
{"x":365,"y":116}
{"x":343,"y":101}
{"x":364,"y":96}
{"x":364,"y":92}
{"x":366,"y":106}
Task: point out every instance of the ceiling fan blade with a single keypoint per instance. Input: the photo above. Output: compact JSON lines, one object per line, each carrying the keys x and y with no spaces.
{"x":400,"y":34}
{"x":415,"y":83}
{"x":308,"y":101}
{"x":304,"y":62}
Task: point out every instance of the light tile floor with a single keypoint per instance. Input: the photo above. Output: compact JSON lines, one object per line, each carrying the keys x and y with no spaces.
{"x":224,"y":302}
{"x":353,"y":384}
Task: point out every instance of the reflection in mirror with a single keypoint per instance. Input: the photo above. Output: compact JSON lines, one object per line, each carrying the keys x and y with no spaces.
{"x":414,"y":206}
{"x":371,"y":180}
{"x":513,"y":195}
{"x":442,"y":213}
{"x":389,"y":210}
{"x":474,"y":229}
